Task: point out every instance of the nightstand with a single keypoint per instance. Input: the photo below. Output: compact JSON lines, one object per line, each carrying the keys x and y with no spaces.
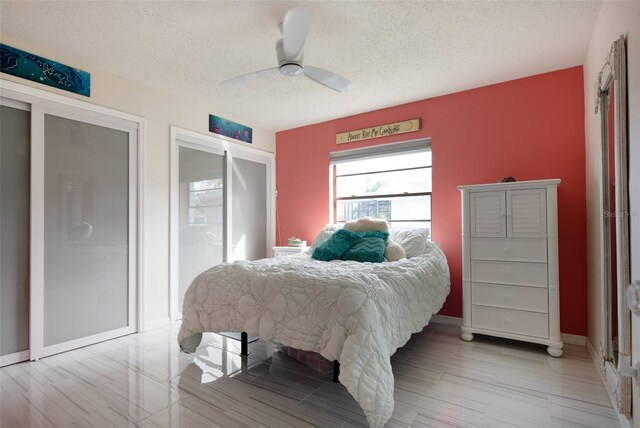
{"x":288,"y":251}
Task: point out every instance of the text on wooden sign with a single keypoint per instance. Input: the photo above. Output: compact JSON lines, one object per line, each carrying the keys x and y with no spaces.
{"x":378,"y":131}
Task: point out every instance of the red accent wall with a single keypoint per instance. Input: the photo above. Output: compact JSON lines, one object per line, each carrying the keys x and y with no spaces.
{"x":531,"y":128}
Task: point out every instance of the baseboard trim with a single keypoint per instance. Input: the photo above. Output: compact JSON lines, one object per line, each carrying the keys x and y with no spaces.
{"x":593,"y":353}
{"x":574,"y":339}
{"x":569,"y":339}
{"x":155,"y":324}
{"x":624,"y":422}
{"x":445,"y":319}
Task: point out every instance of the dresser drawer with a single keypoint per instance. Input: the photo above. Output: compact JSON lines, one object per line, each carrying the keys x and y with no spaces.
{"x":534,"y":299}
{"x":516,"y":273}
{"x":524,"y":250}
{"x":510,"y":321}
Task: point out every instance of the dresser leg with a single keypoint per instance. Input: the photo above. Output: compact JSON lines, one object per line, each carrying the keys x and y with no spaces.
{"x":467,"y":336}
{"x":555,"y":351}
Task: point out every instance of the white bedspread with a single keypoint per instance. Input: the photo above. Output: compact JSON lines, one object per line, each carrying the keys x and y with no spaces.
{"x":356,"y":313}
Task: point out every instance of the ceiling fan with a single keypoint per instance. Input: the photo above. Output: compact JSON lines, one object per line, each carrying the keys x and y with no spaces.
{"x":289,"y":51}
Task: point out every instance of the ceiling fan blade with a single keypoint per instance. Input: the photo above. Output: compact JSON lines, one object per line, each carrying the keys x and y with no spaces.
{"x":327,"y":78}
{"x":247,"y":77}
{"x":295,"y":27}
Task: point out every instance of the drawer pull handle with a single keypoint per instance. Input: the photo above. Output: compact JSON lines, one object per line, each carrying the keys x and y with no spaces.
{"x":507,"y":273}
{"x":507,"y":249}
{"x":507,"y":321}
{"x":507,"y":297}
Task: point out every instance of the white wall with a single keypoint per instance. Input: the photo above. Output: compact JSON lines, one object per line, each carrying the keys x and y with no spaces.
{"x":160,"y":110}
{"x":616,"y":18}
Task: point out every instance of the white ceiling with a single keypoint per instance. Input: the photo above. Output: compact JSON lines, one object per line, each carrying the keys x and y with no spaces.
{"x":393,"y":52}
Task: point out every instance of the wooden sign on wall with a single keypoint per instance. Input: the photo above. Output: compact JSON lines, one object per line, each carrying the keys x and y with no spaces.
{"x":378,"y":131}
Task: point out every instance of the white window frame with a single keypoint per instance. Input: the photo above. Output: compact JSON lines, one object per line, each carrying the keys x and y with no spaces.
{"x":383,"y":150}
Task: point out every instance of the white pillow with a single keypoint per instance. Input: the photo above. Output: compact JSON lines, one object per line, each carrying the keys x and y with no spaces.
{"x":413,"y":242}
{"x":430,"y":247}
{"x":424,"y":231}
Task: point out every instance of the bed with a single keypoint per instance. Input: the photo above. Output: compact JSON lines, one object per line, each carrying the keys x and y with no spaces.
{"x":351,"y":312}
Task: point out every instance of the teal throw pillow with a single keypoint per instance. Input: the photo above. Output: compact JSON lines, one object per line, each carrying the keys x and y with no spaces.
{"x":334,"y":247}
{"x":370,"y":249}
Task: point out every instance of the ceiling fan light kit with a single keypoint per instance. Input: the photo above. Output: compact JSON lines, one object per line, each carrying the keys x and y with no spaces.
{"x":290,"y":69}
{"x":290,"y":53}
{"x":288,"y":66}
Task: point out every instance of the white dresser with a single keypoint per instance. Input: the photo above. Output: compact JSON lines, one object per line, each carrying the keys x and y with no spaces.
{"x":510,"y":262}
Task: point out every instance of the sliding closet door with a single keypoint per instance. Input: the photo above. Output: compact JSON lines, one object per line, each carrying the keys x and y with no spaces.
{"x":249,"y":224}
{"x":200,"y":214}
{"x":88,"y":220}
{"x":222,"y":207}
{"x":14,"y":232}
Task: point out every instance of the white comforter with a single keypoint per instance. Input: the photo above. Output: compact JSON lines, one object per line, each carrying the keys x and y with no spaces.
{"x":356,"y":313}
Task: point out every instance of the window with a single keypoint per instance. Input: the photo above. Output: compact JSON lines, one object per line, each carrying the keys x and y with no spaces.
{"x":393,"y":183}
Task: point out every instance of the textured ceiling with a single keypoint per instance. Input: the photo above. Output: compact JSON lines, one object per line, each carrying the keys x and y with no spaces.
{"x":393,"y":52}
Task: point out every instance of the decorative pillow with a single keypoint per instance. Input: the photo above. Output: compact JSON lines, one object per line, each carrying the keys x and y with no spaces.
{"x":424,"y":231}
{"x":367,"y":224}
{"x":370,"y":249}
{"x":338,"y":244}
{"x":431,"y":246}
{"x":323,"y":235}
{"x":394,"y":251}
{"x":412,"y":242}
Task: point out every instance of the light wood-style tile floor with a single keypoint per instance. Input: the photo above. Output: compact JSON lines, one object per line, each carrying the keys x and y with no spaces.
{"x":143,"y":380}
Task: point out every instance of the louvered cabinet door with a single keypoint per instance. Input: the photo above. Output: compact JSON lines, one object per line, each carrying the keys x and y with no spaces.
{"x":488,"y":215}
{"x":526,"y":213}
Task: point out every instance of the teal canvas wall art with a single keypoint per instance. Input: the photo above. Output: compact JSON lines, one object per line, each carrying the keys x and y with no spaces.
{"x":42,"y":70}
{"x":230,"y":129}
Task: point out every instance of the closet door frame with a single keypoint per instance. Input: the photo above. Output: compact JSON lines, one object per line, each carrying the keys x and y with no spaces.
{"x":42,"y":103}
{"x":230,"y":150}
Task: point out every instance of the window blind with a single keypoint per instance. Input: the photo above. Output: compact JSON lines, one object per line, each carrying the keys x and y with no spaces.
{"x":382,"y":150}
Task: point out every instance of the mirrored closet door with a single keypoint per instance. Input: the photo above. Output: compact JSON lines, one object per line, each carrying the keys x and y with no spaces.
{"x":249,"y":224}
{"x":68,"y":237}
{"x":222,"y":207}
{"x":201,"y":191}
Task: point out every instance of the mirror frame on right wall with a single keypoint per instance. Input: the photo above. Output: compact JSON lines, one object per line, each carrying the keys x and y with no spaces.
{"x":614,"y":73}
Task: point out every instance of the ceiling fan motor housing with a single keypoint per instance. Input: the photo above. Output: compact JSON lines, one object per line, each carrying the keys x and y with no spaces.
{"x":288,"y":66}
